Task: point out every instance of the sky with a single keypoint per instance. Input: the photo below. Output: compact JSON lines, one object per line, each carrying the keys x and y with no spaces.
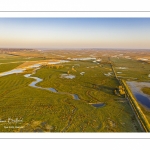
{"x":124,"y":33}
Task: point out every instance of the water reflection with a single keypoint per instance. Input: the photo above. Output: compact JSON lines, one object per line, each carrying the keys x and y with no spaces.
{"x":136,"y":88}
{"x":11,"y":72}
{"x":33,"y":84}
{"x":97,"y":105}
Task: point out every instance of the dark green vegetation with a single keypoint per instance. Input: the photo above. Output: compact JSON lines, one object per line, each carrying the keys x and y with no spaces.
{"x":43,"y":110}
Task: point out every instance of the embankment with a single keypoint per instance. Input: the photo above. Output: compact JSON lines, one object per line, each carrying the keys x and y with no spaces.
{"x":134,"y":104}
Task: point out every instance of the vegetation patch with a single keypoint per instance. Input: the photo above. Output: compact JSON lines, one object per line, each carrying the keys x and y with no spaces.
{"x":146,"y":90}
{"x":46,"y":111}
{"x":9,"y":66}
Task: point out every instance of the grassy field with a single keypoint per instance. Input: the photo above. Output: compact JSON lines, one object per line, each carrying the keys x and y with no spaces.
{"x":44,"y":111}
{"x":7,"y":67}
{"x":5,"y":58}
{"x":93,"y":81}
{"x":135,"y":70}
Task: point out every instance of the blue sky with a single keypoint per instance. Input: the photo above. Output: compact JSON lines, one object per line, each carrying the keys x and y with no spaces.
{"x":75,"y":33}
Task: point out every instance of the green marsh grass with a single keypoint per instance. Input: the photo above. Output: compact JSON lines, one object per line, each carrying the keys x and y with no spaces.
{"x":60,"y":111}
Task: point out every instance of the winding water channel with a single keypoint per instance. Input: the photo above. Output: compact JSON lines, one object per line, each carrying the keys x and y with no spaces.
{"x":136,"y":88}
{"x":37,"y":80}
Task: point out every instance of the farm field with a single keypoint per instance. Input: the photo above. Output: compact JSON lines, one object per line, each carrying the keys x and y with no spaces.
{"x":82,"y":98}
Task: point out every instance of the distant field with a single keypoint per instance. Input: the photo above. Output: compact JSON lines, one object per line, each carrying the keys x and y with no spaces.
{"x":134,"y":69}
{"x":11,"y":59}
{"x":9,"y":62}
{"x":7,"y":67}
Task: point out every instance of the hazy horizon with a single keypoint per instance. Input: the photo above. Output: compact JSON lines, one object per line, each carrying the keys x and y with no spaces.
{"x":75,"y":33}
{"x":24,"y":48}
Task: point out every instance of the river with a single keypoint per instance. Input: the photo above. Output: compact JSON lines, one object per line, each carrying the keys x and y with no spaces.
{"x":37,"y":80}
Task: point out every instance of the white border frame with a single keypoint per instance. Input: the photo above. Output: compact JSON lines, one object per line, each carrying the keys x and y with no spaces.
{"x":71,"y":14}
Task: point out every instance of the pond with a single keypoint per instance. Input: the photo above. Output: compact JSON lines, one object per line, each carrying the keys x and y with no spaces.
{"x":97,"y":105}
{"x":34,"y":66}
{"x":136,"y":88}
{"x":67,"y":76}
{"x":75,"y":96}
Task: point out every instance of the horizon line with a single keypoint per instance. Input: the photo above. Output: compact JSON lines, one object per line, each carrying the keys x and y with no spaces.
{"x":74,"y":48}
